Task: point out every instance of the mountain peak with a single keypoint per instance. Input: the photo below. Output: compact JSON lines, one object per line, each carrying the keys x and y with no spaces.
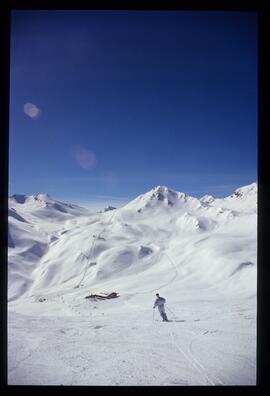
{"x":160,"y":197}
{"x":163,"y":193}
{"x":109,"y":208}
{"x":207,"y":199}
{"x":42,"y":197}
{"x":161,"y":189}
{"x":245,"y":191}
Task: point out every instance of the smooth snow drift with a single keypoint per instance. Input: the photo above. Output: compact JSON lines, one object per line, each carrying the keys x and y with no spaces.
{"x":200,"y":254}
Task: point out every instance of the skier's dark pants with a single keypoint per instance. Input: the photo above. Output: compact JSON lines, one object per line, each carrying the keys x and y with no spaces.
{"x":162,"y":312}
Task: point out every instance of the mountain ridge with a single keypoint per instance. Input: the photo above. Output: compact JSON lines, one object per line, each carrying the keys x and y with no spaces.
{"x":160,"y":192}
{"x":201,"y":237}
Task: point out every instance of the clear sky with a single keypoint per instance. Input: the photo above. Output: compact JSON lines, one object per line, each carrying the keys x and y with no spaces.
{"x":106,"y":105}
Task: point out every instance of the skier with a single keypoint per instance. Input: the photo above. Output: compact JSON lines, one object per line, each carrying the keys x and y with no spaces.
{"x":160,"y":301}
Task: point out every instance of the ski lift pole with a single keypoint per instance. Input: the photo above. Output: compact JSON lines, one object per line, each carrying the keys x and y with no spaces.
{"x":91,"y":249}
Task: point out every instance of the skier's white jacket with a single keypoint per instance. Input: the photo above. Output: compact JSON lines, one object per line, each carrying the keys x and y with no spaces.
{"x":159,"y":301}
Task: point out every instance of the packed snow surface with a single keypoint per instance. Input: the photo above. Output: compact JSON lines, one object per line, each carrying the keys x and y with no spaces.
{"x":200,"y":254}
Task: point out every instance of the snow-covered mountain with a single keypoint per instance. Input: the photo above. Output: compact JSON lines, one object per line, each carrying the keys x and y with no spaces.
{"x":41,"y":205}
{"x":199,"y":253}
{"x":51,"y":243}
{"x":34,"y":222}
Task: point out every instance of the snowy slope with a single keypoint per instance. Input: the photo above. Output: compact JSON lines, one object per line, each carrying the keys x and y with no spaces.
{"x":199,"y":253}
{"x":35,"y":222}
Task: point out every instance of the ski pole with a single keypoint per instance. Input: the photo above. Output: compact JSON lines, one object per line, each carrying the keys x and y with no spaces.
{"x":153,"y":314}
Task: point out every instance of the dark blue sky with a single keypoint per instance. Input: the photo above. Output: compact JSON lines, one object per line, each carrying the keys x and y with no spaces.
{"x":132,"y":99}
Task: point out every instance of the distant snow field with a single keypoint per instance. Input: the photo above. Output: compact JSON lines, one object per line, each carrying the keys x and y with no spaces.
{"x":200,"y":254}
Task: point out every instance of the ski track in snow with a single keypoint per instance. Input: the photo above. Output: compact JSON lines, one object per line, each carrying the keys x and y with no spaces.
{"x":193,"y":362}
{"x":67,"y":342}
{"x":215,"y":379}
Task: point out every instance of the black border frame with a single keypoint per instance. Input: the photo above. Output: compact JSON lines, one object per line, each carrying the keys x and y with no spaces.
{"x":263,"y":286}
